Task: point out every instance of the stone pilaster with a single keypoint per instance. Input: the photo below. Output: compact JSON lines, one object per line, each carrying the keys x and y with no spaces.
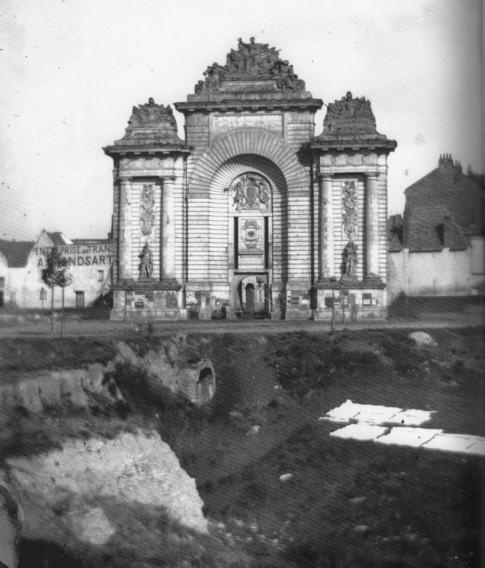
{"x":167,"y":232}
{"x":372,"y":228}
{"x":124,"y":241}
{"x":325,"y":231}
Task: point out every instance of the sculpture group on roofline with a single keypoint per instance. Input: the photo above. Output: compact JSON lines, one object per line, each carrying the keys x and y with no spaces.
{"x":251,"y":60}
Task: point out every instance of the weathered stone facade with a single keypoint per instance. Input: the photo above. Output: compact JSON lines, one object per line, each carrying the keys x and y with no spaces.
{"x":251,"y":215}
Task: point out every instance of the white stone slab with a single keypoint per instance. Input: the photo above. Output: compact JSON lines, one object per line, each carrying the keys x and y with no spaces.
{"x":478,"y":447}
{"x":461,"y":443}
{"x":412,"y":437}
{"x":411,"y":417}
{"x":373,"y":414}
{"x":370,"y":413}
{"x":363,"y":432}
{"x":343,"y":413}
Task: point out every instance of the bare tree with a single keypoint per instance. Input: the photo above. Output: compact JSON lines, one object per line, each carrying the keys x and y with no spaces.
{"x":56,"y":274}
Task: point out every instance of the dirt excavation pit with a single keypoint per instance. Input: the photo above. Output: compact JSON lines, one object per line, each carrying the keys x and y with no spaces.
{"x":270,"y":487}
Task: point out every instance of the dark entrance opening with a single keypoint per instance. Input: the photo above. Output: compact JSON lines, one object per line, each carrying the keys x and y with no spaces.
{"x":205,"y":385}
{"x":79,"y":299}
{"x":250,"y":298}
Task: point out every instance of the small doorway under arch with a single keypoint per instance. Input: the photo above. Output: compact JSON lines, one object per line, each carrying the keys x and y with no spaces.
{"x":253,"y":295}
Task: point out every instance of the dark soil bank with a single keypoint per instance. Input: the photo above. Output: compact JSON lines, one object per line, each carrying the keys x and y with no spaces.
{"x":278,"y":491}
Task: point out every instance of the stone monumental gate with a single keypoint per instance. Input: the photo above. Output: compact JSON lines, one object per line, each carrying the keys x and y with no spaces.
{"x":251,"y":215}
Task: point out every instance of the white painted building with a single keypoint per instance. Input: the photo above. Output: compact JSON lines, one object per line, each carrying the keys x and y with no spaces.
{"x":21,"y":263}
{"x":437,"y":248}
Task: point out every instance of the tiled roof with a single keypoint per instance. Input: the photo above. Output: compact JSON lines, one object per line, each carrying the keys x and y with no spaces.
{"x":58,"y":239}
{"x":448,"y":187}
{"x":16,"y":252}
{"x":431,"y":228}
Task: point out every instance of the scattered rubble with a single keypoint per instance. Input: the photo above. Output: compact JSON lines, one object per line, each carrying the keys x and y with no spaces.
{"x":286,"y":477}
{"x":421,"y":338}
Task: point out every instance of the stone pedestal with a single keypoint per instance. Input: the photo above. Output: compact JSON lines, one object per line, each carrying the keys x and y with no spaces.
{"x":352,"y":301}
{"x":298,"y":300}
{"x":146,"y":300}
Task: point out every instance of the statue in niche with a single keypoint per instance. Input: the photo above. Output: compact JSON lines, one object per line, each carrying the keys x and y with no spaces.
{"x":349,"y":260}
{"x":145,"y":267}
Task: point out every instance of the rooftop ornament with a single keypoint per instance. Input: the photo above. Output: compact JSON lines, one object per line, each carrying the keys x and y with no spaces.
{"x":150,"y":124}
{"x":251,"y":61}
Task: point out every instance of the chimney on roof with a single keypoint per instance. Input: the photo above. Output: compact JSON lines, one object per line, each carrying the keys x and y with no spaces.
{"x":447,"y":164}
{"x":445,"y":161}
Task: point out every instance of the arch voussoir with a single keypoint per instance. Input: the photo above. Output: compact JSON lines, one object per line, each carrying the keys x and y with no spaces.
{"x":242,"y":141}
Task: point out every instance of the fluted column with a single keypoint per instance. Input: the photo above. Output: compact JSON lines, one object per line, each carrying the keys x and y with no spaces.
{"x":124,"y":242}
{"x":372,"y":228}
{"x":324,"y":233}
{"x":167,"y":232}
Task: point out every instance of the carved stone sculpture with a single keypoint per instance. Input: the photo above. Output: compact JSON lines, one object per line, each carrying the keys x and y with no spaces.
{"x":145,"y":267}
{"x":349,"y":206}
{"x":349,"y":258}
{"x":151,"y":113}
{"x":251,"y":61}
{"x":147,"y":204}
{"x":150,"y":123}
{"x":250,"y":233}
{"x":251,"y":191}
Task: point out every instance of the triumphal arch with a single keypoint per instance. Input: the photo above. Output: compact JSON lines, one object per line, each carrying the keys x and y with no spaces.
{"x":251,"y":215}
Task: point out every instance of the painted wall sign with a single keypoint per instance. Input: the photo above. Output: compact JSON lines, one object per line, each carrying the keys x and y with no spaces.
{"x":79,"y":255}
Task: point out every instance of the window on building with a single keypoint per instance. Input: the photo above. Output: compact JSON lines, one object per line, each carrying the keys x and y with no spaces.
{"x":366,"y":299}
{"x":2,"y":282}
{"x":79,"y":299}
{"x":100,"y":275}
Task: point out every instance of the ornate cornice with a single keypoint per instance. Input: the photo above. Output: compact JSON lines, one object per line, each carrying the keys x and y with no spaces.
{"x":137,"y":151}
{"x":227,"y":105}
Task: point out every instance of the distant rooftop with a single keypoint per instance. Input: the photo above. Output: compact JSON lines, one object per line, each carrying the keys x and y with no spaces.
{"x":16,"y":252}
{"x":448,"y":187}
{"x":58,"y":239}
{"x":443,"y":209}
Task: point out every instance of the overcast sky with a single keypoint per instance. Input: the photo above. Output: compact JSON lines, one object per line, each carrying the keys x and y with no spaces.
{"x":71,"y":70}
